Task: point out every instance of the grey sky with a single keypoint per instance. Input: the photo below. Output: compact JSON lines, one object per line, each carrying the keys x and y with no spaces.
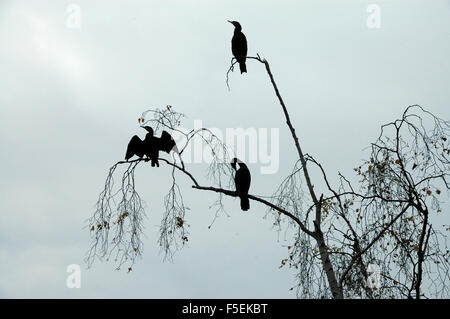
{"x":70,"y":99}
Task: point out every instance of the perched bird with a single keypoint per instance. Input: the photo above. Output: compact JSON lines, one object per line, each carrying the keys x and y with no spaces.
{"x":242,"y":181}
{"x":150,"y":146}
{"x":239,"y":46}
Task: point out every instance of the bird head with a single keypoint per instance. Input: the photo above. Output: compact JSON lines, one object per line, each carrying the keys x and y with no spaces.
{"x":236,"y":161}
{"x":149,"y":129}
{"x":236,"y":24}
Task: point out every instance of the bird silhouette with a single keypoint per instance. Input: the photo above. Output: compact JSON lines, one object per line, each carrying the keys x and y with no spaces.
{"x":242,"y":180}
{"x":239,"y":46}
{"x":150,"y":146}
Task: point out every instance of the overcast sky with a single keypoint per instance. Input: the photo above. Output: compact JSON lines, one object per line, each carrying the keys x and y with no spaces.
{"x":70,"y":99}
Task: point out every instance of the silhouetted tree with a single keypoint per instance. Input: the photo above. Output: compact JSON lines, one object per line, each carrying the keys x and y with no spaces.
{"x":343,"y":233}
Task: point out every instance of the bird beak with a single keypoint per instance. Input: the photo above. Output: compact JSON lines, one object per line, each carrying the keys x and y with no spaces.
{"x":230,"y":22}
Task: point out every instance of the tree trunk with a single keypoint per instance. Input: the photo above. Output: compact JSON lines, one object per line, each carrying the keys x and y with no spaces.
{"x":328,"y":267}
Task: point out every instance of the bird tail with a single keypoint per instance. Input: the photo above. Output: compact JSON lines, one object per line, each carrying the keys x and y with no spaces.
{"x":242,"y":66}
{"x":245,"y":203}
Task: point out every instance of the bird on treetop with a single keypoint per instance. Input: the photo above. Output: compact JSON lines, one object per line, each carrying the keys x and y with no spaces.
{"x":239,"y":46}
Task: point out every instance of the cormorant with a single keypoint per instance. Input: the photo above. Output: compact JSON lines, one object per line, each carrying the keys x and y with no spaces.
{"x":239,"y":45}
{"x":150,"y":146}
{"x":242,"y":181}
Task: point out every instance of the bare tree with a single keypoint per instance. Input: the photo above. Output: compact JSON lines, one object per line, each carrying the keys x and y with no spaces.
{"x":346,"y":237}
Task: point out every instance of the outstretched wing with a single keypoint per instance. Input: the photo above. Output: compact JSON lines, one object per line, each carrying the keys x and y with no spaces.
{"x":166,"y":142}
{"x":134,"y":148}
